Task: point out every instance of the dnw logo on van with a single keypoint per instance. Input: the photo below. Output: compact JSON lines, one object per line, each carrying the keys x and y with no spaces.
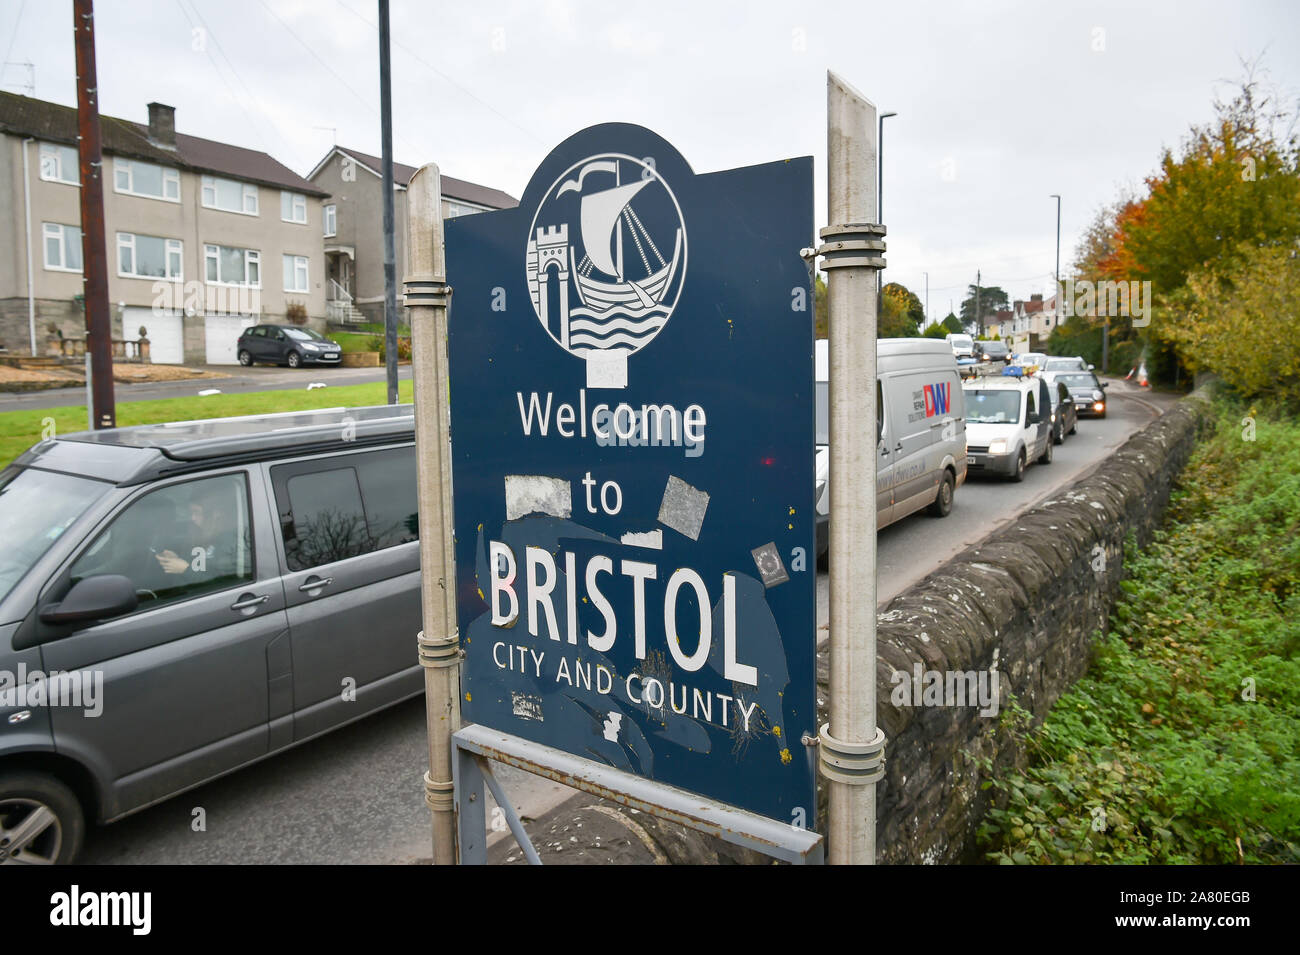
{"x":938,"y":398}
{"x":606,"y":260}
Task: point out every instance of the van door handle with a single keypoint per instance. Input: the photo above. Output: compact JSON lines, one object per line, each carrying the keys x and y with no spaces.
{"x":315,"y":583}
{"x":248,"y":603}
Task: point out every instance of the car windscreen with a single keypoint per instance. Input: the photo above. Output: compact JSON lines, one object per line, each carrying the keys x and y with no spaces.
{"x":36,"y":507}
{"x":986,"y":406}
{"x":304,"y":335}
{"x":1063,"y":364}
{"x":994,"y":348}
{"x":1077,"y":381}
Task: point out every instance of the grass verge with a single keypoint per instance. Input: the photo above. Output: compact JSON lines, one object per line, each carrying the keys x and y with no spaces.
{"x":1182,"y":743}
{"x":19,"y":430}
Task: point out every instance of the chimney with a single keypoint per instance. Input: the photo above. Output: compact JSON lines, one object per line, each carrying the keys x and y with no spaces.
{"x":162,"y":125}
{"x":1036,"y":297}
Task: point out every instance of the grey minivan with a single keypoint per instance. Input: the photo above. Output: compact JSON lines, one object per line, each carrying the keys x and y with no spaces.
{"x":178,"y":601}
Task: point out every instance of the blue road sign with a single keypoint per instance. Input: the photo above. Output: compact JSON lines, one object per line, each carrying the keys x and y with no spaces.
{"x":631,"y":356}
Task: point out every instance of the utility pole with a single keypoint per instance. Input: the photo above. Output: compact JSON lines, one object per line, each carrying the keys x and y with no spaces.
{"x":851,"y":750}
{"x":978,"y":316}
{"x":390,"y":249}
{"x":99,"y":330}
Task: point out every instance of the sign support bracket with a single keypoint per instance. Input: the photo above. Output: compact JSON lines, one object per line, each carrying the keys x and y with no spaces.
{"x":746,"y":829}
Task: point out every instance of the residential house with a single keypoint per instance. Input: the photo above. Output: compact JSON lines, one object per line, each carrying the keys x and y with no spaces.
{"x":353,"y":226}
{"x":1034,"y":320}
{"x":203,"y":238}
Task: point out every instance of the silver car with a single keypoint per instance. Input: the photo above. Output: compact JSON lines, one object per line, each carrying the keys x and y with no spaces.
{"x":178,"y":601}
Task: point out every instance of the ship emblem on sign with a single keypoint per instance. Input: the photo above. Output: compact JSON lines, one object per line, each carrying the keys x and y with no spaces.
{"x":606,"y":262}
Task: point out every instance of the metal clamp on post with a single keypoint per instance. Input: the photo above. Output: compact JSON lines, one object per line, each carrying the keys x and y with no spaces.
{"x":860,"y":244}
{"x":439,"y":795}
{"x":858,"y":764}
{"x":439,"y":653}
{"x":427,"y":290}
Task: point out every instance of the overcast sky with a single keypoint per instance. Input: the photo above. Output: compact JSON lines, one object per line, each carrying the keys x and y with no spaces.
{"x":999,"y":104}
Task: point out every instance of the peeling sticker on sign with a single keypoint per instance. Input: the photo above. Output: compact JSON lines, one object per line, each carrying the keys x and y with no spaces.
{"x":527,"y":706}
{"x":537,"y":494}
{"x":768,"y":560}
{"x":654,"y":539}
{"x":683,"y":508}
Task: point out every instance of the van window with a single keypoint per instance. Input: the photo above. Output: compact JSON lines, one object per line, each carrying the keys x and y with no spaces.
{"x":341,"y":507}
{"x":880,"y":411}
{"x":178,"y":541}
{"x":1031,"y":404}
{"x":36,"y":507}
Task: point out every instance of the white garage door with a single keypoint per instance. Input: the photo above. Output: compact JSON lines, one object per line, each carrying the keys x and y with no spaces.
{"x":165,"y":331}
{"x":221,"y":333}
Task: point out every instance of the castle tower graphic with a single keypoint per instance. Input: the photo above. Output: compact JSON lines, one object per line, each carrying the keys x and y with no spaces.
{"x":549,"y":249}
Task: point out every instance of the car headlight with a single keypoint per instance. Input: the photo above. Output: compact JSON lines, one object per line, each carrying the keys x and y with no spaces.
{"x":311,"y":346}
{"x":1053,"y":416}
{"x":998,"y":447}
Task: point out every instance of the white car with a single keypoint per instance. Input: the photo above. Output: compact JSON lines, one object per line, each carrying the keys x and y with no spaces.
{"x":1008,"y":425}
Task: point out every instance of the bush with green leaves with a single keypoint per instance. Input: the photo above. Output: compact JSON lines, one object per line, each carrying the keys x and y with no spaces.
{"x":1182,"y":743}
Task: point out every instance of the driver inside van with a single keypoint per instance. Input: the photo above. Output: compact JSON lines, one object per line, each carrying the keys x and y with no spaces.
{"x":206,"y":550}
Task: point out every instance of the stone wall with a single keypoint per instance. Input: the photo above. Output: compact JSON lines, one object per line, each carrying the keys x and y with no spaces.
{"x":1027,"y":601}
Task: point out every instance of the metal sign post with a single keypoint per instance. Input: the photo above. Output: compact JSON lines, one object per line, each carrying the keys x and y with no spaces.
{"x":632,"y":407}
{"x":426,"y":302}
{"x":852,"y":746}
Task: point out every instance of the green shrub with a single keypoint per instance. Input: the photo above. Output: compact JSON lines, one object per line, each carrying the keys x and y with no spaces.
{"x":1182,"y":743}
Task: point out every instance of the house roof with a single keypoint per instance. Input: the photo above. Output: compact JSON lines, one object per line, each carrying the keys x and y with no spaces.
{"x":452,"y":188}
{"x":25,"y":116}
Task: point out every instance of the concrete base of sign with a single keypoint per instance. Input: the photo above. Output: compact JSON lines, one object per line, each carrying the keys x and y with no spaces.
{"x":475,"y":743}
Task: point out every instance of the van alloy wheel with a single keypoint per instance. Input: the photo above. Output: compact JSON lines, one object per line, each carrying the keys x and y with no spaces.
{"x":30,"y":833}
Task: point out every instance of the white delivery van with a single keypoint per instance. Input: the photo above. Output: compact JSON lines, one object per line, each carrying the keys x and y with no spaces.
{"x":1010,"y":424}
{"x":963,"y":346}
{"x":920,"y":431}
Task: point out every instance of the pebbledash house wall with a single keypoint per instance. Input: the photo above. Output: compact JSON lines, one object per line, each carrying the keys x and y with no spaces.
{"x":187,"y":220}
{"x":1028,"y":600}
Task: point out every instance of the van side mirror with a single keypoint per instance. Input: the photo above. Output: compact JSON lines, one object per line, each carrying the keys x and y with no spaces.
{"x":93,"y":598}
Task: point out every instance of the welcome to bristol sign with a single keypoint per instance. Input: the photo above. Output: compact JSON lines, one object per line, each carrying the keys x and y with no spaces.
{"x":631,"y":354}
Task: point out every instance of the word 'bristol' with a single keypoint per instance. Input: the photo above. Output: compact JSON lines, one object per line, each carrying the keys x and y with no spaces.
{"x":540,"y":582}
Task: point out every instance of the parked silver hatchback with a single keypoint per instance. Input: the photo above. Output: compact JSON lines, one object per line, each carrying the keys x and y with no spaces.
{"x":178,"y":601}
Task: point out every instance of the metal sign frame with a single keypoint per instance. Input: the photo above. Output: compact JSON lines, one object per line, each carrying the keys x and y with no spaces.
{"x":474,"y":746}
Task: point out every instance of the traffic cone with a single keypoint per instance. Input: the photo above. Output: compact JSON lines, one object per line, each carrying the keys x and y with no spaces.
{"x":1142,"y":376}
{"x":1131,"y":373}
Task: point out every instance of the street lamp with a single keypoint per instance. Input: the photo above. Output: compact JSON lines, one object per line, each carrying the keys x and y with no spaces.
{"x":880,"y":188}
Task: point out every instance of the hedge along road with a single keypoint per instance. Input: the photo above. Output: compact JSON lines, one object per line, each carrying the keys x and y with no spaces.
{"x":356,"y":795}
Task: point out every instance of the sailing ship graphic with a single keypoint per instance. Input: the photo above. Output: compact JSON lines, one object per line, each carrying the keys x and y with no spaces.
{"x":606,"y":259}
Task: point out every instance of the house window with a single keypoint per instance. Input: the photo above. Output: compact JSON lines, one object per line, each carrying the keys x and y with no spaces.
{"x":331,"y":220}
{"x":148,"y":256}
{"x":455,"y":209}
{"x":62,"y":247}
{"x":295,"y":273}
{"x":225,"y":265}
{"x":293,"y":207}
{"x":230,"y":195}
{"x":137,"y":178}
{"x":59,"y":163}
